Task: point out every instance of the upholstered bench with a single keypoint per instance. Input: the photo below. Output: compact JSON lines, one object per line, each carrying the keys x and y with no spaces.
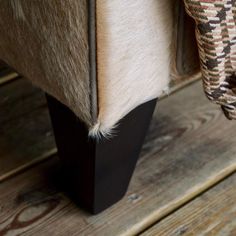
{"x":102,"y":64}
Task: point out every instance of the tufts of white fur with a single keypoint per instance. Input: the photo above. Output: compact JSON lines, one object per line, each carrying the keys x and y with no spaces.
{"x":46,"y":41}
{"x":133,"y":56}
{"x":96,"y":132}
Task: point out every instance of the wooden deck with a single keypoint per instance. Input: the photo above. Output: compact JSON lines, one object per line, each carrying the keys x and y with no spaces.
{"x":184,"y":182}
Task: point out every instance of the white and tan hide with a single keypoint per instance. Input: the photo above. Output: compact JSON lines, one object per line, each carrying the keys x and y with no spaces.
{"x":47,"y":42}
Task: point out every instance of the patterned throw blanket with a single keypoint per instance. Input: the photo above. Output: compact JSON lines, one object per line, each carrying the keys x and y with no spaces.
{"x":216,"y":36}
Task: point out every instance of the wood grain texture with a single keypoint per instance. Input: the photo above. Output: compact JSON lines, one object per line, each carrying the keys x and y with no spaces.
{"x":178,"y":84}
{"x":25,"y":130}
{"x":17,"y":101}
{"x":190,"y":147}
{"x":211,"y":214}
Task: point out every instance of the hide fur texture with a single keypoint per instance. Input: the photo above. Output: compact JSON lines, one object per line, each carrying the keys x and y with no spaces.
{"x":47,"y":42}
{"x":133,"y":55}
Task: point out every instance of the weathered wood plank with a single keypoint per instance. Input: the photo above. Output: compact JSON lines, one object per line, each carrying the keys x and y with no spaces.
{"x":190,"y":147}
{"x":212,"y":213}
{"x":177,"y":83}
{"x":18,"y":99}
{"x":25,"y":131}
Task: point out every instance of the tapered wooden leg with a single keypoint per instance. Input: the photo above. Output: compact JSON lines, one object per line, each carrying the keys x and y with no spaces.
{"x":98,"y":172}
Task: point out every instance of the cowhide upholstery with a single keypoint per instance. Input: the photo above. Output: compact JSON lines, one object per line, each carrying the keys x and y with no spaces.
{"x":48,"y":42}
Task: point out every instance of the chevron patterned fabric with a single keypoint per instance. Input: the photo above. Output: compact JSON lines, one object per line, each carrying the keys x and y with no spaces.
{"x":216,"y":36}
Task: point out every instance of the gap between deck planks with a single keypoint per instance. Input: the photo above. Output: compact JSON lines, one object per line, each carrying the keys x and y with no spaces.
{"x":23,"y":112}
{"x":190,"y":147}
{"x":212,"y":213}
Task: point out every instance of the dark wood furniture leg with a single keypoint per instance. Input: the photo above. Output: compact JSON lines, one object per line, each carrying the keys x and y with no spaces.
{"x":98,"y":172}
